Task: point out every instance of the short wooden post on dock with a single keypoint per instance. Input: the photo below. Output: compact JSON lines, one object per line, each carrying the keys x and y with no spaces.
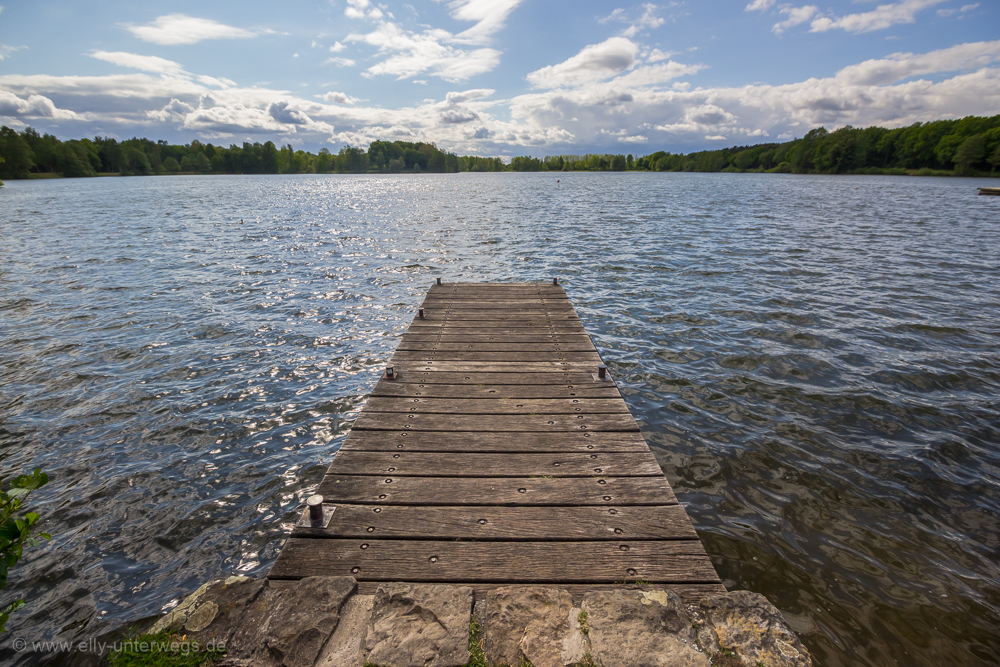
{"x":493,"y":453}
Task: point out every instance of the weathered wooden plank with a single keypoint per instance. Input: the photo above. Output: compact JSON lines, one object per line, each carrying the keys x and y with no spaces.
{"x":490,"y":346}
{"x":394,"y":421}
{"x":485,"y":325}
{"x":544,"y":524}
{"x":497,"y":406}
{"x":531,"y":337}
{"x":476,"y":310}
{"x":500,"y":391}
{"x":612,"y":492}
{"x":468,"y":318}
{"x":438,"y":374}
{"x":688,"y":593}
{"x":494,"y":302}
{"x":424,"y":441}
{"x":515,"y":562}
{"x":502,"y":332}
{"x":475,"y":355}
{"x":510,"y":367}
{"x":501,"y":287}
{"x":500,"y":314}
{"x":495,"y":457}
{"x":428,"y":464}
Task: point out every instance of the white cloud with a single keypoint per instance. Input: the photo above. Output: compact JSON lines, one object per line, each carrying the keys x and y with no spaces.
{"x":594,"y":63}
{"x":656,"y":55}
{"x":649,"y":19}
{"x":640,"y":105}
{"x":880,"y":18}
{"x":174,"y":110}
{"x":337,"y":47}
{"x":135,"y":61}
{"x":962,"y":10}
{"x":220,"y":82}
{"x":35,"y":106}
{"x":899,"y":66}
{"x":182,"y":29}
{"x":6,"y":50}
{"x":436,"y":51}
{"x":759,"y":5}
{"x":796,"y":16}
{"x":429,"y":51}
{"x":340,"y":62}
{"x":861,"y":95}
{"x":489,"y":16}
{"x":340,"y":98}
{"x":359,"y":9}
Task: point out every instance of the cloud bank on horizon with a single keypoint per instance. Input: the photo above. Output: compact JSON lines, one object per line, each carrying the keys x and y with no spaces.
{"x":495,"y":77}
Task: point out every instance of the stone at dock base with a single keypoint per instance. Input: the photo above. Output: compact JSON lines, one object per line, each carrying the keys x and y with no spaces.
{"x":641,"y":629}
{"x":262,"y":626}
{"x":318,"y":622}
{"x":419,"y":625}
{"x":534,"y":624}
{"x":746,"y":625}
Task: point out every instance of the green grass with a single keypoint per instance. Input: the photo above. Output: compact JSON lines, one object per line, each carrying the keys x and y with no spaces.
{"x":162,"y":650}
{"x":477,"y":658}
{"x":581,"y":618}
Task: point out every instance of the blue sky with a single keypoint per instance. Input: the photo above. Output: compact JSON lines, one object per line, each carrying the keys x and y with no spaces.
{"x":493,"y":77}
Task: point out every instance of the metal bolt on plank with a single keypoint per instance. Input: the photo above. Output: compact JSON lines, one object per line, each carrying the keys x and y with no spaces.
{"x":317,"y":514}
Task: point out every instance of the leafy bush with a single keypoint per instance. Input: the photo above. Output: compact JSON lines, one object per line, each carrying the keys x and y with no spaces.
{"x":14,"y":532}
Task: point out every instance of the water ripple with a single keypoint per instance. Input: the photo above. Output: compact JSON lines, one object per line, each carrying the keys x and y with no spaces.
{"x":814,"y":365}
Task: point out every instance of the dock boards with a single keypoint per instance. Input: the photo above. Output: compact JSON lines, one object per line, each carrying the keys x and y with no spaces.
{"x":496,"y":456}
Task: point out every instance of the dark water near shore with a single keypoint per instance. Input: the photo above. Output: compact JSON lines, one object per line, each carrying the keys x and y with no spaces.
{"x":814,"y":360}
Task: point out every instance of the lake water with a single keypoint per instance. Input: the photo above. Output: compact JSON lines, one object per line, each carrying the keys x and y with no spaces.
{"x":814,"y":360}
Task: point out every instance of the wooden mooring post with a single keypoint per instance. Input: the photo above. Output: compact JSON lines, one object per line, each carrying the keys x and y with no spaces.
{"x":494,"y":451}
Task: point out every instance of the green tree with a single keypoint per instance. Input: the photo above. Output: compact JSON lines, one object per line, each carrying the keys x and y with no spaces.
{"x":17,"y":156}
{"x":15,"y":532}
{"x":170,"y":164}
{"x":970,"y":153}
{"x":136,"y":162}
{"x":994,"y":160}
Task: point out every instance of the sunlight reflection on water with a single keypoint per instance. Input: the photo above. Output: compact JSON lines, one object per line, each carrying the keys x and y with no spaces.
{"x":815,"y":366}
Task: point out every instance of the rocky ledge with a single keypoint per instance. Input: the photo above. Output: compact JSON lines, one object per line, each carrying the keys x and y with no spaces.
{"x":320,"y":621}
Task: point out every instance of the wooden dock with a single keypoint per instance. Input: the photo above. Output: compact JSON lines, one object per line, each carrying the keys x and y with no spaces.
{"x":495,"y":456}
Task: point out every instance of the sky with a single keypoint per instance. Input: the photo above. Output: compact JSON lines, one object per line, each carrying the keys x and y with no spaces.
{"x":493,"y":77}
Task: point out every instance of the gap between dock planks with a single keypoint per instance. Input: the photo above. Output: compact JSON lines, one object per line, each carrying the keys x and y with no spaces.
{"x":496,"y":457}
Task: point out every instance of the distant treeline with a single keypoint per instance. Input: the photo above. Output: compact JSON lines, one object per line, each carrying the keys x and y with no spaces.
{"x":964,"y":147}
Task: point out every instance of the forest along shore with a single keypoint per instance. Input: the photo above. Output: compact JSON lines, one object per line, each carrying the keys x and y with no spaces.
{"x":966,"y":147}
